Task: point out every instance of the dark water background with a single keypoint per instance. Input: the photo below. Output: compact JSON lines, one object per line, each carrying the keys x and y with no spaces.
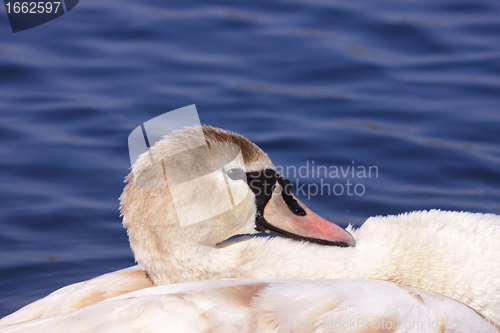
{"x":411,"y":87}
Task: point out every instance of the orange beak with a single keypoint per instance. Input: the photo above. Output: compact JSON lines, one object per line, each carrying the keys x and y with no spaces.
{"x":310,"y":227}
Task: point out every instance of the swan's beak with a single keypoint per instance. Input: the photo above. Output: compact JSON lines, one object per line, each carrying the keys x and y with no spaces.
{"x":309,"y":226}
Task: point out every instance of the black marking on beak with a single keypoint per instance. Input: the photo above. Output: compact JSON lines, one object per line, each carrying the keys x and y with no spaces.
{"x":262,"y":184}
{"x":286,"y":193}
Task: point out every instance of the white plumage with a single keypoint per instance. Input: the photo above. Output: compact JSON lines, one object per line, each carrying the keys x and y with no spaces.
{"x":454,"y":256}
{"x":244,"y":305}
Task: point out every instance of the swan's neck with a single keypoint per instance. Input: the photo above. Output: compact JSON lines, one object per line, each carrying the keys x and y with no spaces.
{"x":181,"y":261}
{"x":285,"y":258}
{"x":256,"y":258}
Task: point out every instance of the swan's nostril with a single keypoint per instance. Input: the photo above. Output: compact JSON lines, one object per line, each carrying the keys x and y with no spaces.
{"x":298,"y":211}
{"x":292,"y":204}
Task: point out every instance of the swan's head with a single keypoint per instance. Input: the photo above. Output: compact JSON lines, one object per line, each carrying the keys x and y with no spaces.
{"x":201,"y":186}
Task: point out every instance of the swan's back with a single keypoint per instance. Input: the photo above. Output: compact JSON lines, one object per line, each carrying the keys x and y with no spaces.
{"x":82,"y":294}
{"x":456,"y":254}
{"x":243,"y":305}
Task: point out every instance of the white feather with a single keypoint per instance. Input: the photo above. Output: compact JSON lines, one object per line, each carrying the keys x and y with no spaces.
{"x":244,"y":305}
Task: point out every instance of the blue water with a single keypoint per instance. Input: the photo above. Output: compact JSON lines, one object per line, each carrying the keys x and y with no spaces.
{"x":409,"y":87}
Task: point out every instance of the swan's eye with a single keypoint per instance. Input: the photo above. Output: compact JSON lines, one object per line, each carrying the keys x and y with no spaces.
{"x":235,"y":174}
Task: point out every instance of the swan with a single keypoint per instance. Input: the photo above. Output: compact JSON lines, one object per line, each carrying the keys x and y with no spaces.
{"x":440,"y":263}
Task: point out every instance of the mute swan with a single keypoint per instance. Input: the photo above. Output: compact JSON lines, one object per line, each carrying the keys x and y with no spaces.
{"x":454,"y":254}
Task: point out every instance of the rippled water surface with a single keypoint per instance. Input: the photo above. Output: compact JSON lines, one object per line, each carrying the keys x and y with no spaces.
{"x":409,"y":88}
